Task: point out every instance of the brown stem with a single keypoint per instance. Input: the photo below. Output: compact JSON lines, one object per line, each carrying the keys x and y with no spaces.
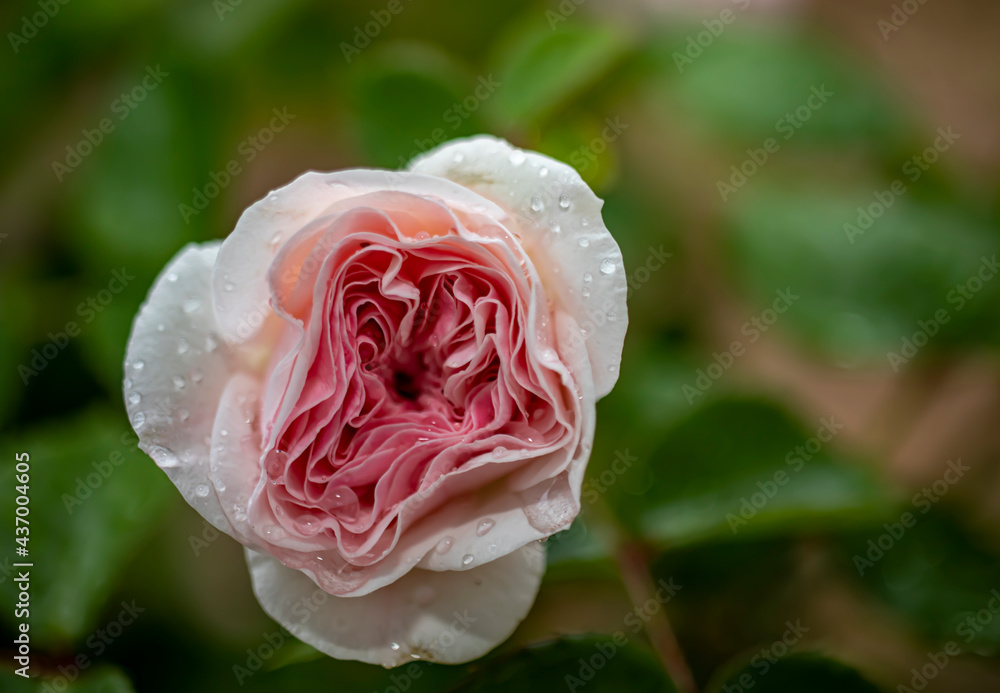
{"x":633,"y":561}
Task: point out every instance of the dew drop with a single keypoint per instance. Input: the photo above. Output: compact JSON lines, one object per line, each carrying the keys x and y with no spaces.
{"x":184,"y":414}
{"x":484,"y":527}
{"x":555,"y":228}
{"x":163,"y":457}
{"x":499,"y":451}
{"x":458,"y":158}
{"x":220,"y":485}
{"x":467,"y":559}
{"x":211,"y":343}
{"x":201,"y":490}
{"x":536,"y":204}
{"x":182,"y":346}
{"x":422,"y":236}
{"x":179,"y":382}
{"x":128,"y":383}
{"x":275,"y":239}
{"x":192,"y":305}
{"x":196,"y":376}
{"x":611,"y":316}
{"x":612,"y":368}
{"x":395,"y":646}
{"x":584,"y":241}
{"x":564,"y":202}
{"x":517,"y":157}
{"x":444,"y":546}
{"x":549,"y":355}
{"x":172,"y":277}
{"x":229,"y":286}
{"x":607,"y":266}
{"x":139,"y":365}
{"x":134,"y":398}
{"x":138,"y":420}
{"x":492,"y":548}
{"x":273,"y":533}
{"x":587,"y":277}
{"x":586,"y":292}
{"x":585,"y":222}
{"x":542,"y":172}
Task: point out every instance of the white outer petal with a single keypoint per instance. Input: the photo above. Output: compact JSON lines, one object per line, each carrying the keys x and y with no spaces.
{"x":513,"y":178}
{"x":174,"y":336}
{"x":446,"y":617}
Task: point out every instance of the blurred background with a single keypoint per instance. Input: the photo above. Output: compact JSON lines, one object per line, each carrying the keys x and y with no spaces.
{"x":803,"y":443}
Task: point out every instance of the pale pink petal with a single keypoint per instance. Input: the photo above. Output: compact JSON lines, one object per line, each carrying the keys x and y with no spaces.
{"x":559,"y":220}
{"x":176,"y":368}
{"x":450,"y":617}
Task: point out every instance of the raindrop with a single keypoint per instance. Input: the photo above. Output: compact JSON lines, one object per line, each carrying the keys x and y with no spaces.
{"x":607,"y":266}
{"x":192,"y":305}
{"x":134,"y":398}
{"x":196,"y":376}
{"x":273,"y":533}
{"x":172,"y":277}
{"x":179,"y":382}
{"x":536,"y":204}
{"x":612,"y":368}
{"x":499,"y":451}
{"x":211,"y":343}
{"x":138,"y":420}
{"x":492,"y":548}
{"x":139,"y":365}
{"x":517,"y":157}
{"x":201,"y":490}
{"x":444,"y":546}
{"x":584,"y":241}
{"x":422,"y":236}
{"x":395,"y":646}
{"x":458,"y":158}
{"x":163,"y":457}
{"x":484,"y":527}
{"x":182,"y":346}
{"x":542,"y":172}
{"x":275,"y":239}
{"x":549,"y":355}
{"x":128,"y":383}
{"x":229,"y":286}
{"x":220,"y":485}
{"x":183,"y":413}
{"x":564,"y":202}
{"x":587,"y":276}
{"x":467,"y":559}
{"x":611,"y":316}
{"x":555,"y":228}
{"x":585,"y":292}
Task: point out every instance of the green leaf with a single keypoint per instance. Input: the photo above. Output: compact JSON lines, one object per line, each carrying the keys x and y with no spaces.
{"x":940,"y":576}
{"x":541,"y":69}
{"x":93,"y":499}
{"x":753,"y":76}
{"x":411,"y":97}
{"x":595,"y":663}
{"x":795,"y":673}
{"x":741,"y":467}
{"x":860,"y":297}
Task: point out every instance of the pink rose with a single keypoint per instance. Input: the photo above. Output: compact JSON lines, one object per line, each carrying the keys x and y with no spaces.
{"x":383,"y":384}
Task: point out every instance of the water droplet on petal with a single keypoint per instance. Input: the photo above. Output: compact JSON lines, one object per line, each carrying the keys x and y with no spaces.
{"x":458,"y":158}
{"x":128,"y":383}
{"x":201,"y":490}
{"x":550,"y":355}
{"x":179,"y":382}
{"x":211,"y":343}
{"x":184,"y":414}
{"x":229,"y":286}
{"x":484,"y":527}
{"x":182,"y":346}
{"x":275,"y":239}
{"x":499,"y":451}
{"x":192,"y":305}
{"x":611,"y":316}
{"x":163,"y":457}
{"x":444,"y":546}
{"x":555,"y":228}
{"x":536,"y":204}
{"x":517,"y":157}
{"x":586,"y":292}
{"x":564,"y":202}
{"x":395,"y":646}
{"x":138,"y":420}
{"x":467,"y":559}
{"x":273,"y":533}
{"x":134,"y":398}
{"x":607,"y":266}
{"x":584,"y":241}
{"x":587,"y":276}
{"x":139,"y":365}
{"x":196,"y":376}
{"x":542,"y":172}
